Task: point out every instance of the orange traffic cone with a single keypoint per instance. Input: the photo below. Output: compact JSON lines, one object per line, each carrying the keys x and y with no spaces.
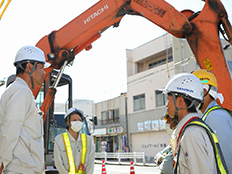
{"x":132,"y":170}
{"x":103,"y":167}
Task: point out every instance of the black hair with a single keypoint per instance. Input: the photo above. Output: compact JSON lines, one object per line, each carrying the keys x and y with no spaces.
{"x":67,"y":119}
{"x":21,"y":69}
{"x":188,"y":102}
{"x":67,"y":127}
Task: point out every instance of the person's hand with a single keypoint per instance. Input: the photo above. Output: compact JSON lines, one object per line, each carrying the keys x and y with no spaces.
{"x":158,"y":158}
{"x":1,"y":168}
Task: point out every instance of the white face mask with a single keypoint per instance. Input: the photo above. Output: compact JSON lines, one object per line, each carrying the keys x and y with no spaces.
{"x":76,"y":126}
{"x":168,"y":129}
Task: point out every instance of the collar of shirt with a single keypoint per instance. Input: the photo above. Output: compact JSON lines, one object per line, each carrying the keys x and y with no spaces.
{"x":73,"y":139}
{"x":176,"y":132}
{"x":20,"y":81}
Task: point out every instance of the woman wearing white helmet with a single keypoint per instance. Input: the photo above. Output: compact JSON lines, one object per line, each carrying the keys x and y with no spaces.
{"x":21,"y":125}
{"x":73,"y":151}
{"x":191,"y":145}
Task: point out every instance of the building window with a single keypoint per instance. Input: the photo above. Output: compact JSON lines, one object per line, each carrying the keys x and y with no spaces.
{"x":105,"y":117}
{"x":160,"y":98}
{"x":139,"y":102}
{"x":115,"y":115}
{"x":110,"y":116}
{"x":160,"y":62}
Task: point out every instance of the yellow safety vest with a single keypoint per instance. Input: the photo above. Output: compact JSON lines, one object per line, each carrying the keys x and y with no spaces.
{"x":220,"y":162}
{"x":214,"y":108}
{"x":68,"y":148}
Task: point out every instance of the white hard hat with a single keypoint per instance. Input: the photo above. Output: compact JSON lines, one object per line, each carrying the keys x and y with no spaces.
{"x":30,"y":53}
{"x":74,"y":111}
{"x":186,"y":84}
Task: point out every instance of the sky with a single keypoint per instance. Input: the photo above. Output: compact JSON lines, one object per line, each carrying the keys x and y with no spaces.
{"x":98,"y":74}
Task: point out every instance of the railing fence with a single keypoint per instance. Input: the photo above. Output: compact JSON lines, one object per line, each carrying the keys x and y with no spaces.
{"x":121,"y":156}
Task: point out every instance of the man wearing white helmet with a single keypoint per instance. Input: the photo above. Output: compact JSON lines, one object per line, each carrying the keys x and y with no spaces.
{"x":74,"y":151}
{"x":218,"y":118}
{"x":193,"y":143}
{"x":21,"y":124}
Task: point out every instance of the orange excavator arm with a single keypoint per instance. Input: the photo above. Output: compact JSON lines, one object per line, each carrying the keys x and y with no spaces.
{"x":201,"y":32}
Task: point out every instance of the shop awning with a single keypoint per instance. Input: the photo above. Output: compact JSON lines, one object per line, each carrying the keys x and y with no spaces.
{"x":99,"y":132}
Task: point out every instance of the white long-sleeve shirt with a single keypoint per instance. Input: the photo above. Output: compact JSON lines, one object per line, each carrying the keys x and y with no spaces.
{"x":60,"y":156}
{"x":196,"y":152}
{"x":21,"y":130}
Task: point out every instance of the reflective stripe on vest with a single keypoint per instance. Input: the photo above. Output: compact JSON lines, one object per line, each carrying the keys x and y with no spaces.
{"x":221,"y":166}
{"x":81,"y":168}
{"x":215,"y":144}
{"x":213,"y":108}
{"x":68,"y":148}
{"x":209,"y":110}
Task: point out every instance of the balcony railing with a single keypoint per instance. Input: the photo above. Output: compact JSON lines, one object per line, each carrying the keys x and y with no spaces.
{"x":110,"y":121}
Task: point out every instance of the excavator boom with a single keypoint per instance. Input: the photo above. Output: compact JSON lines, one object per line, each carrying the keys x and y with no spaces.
{"x":201,"y":32}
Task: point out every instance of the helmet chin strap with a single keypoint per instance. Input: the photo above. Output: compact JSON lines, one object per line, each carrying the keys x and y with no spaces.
{"x":207,"y":91}
{"x":201,"y":105}
{"x":177,"y":109}
{"x":30,"y":73}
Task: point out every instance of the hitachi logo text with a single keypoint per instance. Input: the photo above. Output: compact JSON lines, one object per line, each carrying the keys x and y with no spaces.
{"x":95,"y":14}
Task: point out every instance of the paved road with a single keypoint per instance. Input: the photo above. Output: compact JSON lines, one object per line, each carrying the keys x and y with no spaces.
{"x":125,"y":169}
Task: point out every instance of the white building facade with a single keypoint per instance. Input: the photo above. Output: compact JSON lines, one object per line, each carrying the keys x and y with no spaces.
{"x":110,"y":133}
{"x":132,"y":121}
{"x":149,"y":68}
